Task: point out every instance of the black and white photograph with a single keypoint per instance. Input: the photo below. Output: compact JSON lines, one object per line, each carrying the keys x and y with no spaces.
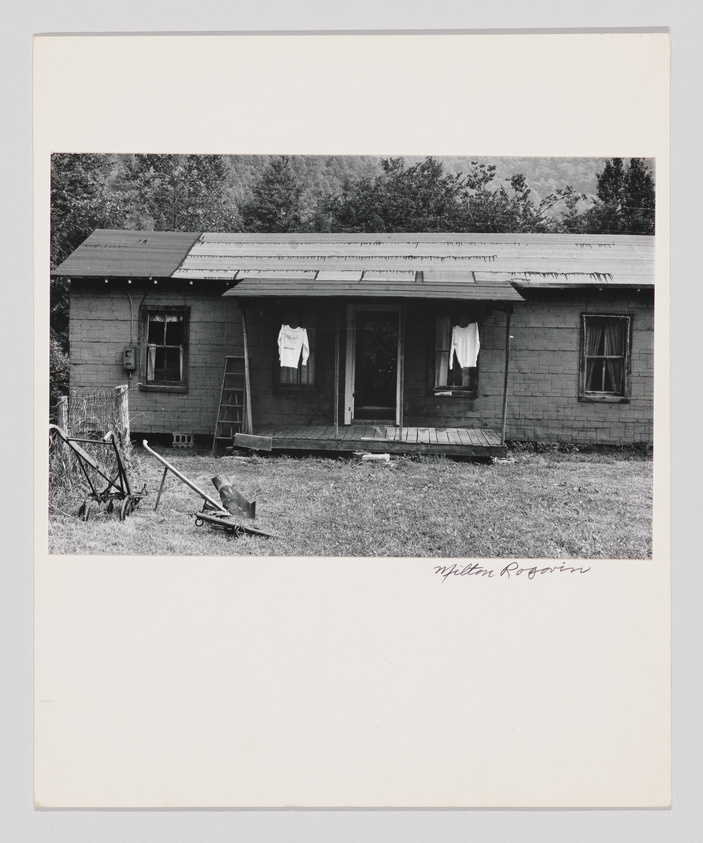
{"x":351,"y":425}
{"x":352,"y":356}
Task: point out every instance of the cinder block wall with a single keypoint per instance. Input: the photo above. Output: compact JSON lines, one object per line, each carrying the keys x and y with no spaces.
{"x":100,"y":330}
{"x":543,"y":402}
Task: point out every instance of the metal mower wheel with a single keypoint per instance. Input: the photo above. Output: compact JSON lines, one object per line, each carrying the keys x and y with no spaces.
{"x":129,"y":504}
{"x":88,"y":508}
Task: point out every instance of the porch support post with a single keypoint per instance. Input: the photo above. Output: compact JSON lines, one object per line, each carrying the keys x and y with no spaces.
{"x":401,"y":371}
{"x":508,"y":314}
{"x":248,"y":422}
{"x":336,"y":371}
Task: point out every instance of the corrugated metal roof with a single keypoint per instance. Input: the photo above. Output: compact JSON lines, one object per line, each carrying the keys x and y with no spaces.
{"x":281,"y":274}
{"x":128,"y":254}
{"x":465,"y":265}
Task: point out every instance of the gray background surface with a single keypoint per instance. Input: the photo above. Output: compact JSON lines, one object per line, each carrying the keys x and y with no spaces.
{"x":18,"y":819}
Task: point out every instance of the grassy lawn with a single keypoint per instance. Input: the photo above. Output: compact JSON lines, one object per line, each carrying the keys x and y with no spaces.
{"x":550,"y":505}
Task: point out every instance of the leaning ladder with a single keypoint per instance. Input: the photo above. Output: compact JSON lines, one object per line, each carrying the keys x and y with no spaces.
{"x":232,"y":407}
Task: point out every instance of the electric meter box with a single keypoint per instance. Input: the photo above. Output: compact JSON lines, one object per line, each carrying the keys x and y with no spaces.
{"x":129,"y":359}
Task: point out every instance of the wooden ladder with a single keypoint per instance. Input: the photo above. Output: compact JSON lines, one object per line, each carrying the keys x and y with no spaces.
{"x":232,"y":407}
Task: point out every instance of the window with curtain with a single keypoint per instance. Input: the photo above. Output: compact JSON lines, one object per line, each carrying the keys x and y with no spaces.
{"x":295,"y":354}
{"x":457,"y":341}
{"x":164,"y":333}
{"x":605,"y":357}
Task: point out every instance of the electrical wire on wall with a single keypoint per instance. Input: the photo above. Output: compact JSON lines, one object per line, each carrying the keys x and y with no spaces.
{"x":130,"y":376}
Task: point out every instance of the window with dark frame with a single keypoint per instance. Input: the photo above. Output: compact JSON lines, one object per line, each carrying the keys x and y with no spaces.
{"x":304,"y":373}
{"x":449,"y":376}
{"x":605,"y":357}
{"x":165,"y":332}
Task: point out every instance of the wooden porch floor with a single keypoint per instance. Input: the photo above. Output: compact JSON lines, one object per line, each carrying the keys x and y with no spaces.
{"x":378,"y":438}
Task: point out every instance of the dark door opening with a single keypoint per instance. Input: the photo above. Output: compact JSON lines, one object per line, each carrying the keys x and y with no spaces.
{"x":376,"y":365}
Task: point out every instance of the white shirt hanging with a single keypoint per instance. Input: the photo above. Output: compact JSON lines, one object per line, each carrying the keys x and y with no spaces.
{"x":465,"y":344}
{"x":292,"y":342}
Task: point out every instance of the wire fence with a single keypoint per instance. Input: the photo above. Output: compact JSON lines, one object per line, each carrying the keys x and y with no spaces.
{"x":87,"y":415}
{"x":93,"y":414}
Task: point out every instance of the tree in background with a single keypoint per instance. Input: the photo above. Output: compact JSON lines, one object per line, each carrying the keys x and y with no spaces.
{"x":638,"y":204}
{"x":276,"y":205}
{"x":178,"y":193}
{"x":626,"y":200}
{"x":498,"y":209}
{"x":58,"y":373}
{"x":399,"y":199}
{"x":573,"y":219}
{"x":82,"y":200}
{"x":147,"y":192}
{"x":486,"y":208}
{"x":425,"y":198}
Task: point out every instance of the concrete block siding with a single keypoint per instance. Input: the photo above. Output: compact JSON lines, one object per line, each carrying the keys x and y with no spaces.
{"x":102,"y":325}
{"x":543,"y":390}
{"x":543,"y":403}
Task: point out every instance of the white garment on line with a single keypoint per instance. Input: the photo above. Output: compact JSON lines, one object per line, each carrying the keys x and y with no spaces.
{"x":291,"y":342}
{"x":465,"y":343}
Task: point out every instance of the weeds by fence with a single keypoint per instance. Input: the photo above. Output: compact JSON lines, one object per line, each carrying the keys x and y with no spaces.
{"x":89,"y":416}
{"x":93,"y":414}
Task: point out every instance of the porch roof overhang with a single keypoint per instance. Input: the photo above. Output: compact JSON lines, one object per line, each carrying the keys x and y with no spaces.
{"x":578,"y":280}
{"x":377,"y":284}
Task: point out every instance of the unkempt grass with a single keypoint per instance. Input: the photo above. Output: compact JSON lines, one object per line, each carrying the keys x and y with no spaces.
{"x":549,"y":505}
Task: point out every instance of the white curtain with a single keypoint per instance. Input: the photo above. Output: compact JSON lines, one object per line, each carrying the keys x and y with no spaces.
{"x":150,"y":362}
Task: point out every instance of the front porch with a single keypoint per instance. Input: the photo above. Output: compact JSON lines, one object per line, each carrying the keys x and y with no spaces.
{"x":383,"y":439}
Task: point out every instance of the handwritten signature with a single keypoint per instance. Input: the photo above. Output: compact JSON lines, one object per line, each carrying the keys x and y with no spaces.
{"x":512,"y":569}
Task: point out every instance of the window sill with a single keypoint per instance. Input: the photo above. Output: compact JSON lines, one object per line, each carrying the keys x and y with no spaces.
{"x":604,"y":399}
{"x":454,"y":392}
{"x":159,"y":387}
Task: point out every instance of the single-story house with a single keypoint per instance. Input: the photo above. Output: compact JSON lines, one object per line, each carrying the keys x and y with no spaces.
{"x":437,"y":343}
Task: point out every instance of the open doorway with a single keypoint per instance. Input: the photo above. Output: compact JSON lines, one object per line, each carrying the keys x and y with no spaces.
{"x":373,"y":351}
